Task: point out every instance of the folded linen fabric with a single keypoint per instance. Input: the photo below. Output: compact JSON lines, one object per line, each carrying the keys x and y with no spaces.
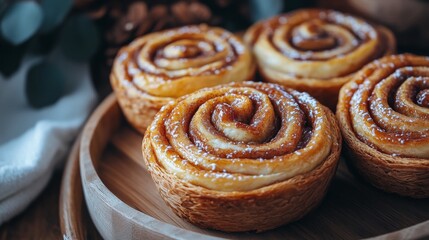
{"x":34,"y":141}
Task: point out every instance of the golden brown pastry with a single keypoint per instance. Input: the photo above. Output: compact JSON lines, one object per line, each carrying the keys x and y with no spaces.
{"x":315,"y":50}
{"x":244,"y":156}
{"x":162,"y":66}
{"x":384,"y":117}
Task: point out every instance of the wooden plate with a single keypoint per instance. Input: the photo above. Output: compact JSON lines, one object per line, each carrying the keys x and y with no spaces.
{"x":124,"y":203}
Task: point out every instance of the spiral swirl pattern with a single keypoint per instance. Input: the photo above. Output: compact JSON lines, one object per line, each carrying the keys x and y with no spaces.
{"x":179,"y":61}
{"x":388,"y":106}
{"x":318,"y":44}
{"x":161,"y":66}
{"x":316,"y":50}
{"x":241,"y":136}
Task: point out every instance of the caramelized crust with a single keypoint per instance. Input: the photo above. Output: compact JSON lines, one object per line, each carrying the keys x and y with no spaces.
{"x":244,"y":156}
{"x":384,"y":117}
{"x":316,"y":50}
{"x":162,"y":66}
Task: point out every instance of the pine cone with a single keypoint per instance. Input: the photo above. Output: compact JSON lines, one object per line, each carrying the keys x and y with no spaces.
{"x":122,"y":21}
{"x":190,"y":13}
{"x":136,"y":19}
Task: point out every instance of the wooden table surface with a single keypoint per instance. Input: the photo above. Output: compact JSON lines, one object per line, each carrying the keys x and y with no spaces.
{"x":40,"y":220}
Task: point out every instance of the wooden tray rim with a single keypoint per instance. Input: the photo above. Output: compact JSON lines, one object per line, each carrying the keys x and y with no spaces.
{"x":92,"y":183}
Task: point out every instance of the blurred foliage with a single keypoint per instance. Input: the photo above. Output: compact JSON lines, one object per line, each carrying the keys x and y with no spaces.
{"x":264,"y":9}
{"x":21,"y":21}
{"x":79,"y":38}
{"x":54,"y":12}
{"x":44,"y":84}
{"x":36,"y":27}
{"x":10,"y":57}
{"x":96,"y":29}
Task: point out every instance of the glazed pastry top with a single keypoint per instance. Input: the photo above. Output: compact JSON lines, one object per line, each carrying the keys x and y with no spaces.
{"x":241,"y":136}
{"x":388,"y":105}
{"x":176,"y":62}
{"x":317,"y":43}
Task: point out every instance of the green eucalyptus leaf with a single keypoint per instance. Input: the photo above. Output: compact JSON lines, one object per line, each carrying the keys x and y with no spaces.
{"x":44,"y":84}
{"x":54,"y":13}
{"x":80,"y":38}
{"x":264,"y":9}
{"x":21,"y":21}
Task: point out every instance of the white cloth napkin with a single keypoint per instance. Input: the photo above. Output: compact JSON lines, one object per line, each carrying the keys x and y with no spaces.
{"x":34,"y":141}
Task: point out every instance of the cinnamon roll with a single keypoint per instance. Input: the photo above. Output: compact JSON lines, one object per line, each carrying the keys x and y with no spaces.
{"x":315,"y":50}
{"x":244,"y":156}
{"x":162,"y":66}
{"x":384,"y":117}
